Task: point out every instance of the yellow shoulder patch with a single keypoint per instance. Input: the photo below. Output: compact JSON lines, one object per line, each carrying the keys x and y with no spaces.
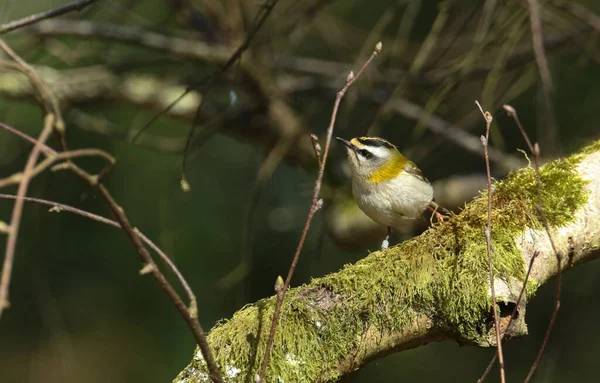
{"x":390,"y":170}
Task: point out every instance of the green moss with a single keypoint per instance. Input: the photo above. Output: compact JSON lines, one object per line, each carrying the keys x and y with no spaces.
{"x":443,"y":274}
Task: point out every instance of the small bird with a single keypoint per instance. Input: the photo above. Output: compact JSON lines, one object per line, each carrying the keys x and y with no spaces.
{"x":387,"y":187}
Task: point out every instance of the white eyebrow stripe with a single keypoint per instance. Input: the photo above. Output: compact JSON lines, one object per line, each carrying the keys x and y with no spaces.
{"x":380,"y":152}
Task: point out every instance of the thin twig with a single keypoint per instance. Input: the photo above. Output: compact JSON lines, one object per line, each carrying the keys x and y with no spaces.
{"x":512,"y":316}
{"x":51,"y":159}
{"x":315,"y":206}
{"x":45,"y":149}
{"x":535,"y":150}
{"x":59,"y":207}
{"x":32,"y":19}
{"x":488,"y":237}
{"x":552,"y":317}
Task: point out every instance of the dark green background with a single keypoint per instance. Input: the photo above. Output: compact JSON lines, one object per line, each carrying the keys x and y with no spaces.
{"x":81,"y":313}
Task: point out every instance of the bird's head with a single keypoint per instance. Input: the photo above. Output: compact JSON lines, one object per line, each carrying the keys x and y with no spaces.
{"x":373,"y":159}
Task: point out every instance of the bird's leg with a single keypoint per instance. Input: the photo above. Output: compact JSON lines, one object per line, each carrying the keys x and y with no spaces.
{"x":433,"y":207}
{"x":386,"y":242}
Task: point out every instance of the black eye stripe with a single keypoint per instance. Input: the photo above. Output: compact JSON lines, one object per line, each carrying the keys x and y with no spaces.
{"x":365,"y":153}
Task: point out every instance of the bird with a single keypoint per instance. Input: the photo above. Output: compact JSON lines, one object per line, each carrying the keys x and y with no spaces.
{"x":387,"y":187}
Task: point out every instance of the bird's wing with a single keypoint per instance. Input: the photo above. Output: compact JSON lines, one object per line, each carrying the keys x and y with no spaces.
{"x":412,"y":169}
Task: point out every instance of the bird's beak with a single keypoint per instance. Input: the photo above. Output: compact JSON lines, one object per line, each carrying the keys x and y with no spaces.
{"x":345,"y":142}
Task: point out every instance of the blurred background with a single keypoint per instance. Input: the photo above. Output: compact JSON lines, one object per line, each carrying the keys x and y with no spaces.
{"x":80,"y":311}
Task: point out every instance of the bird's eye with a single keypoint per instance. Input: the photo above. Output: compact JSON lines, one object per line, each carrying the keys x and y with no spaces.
{"x":365,"y":153}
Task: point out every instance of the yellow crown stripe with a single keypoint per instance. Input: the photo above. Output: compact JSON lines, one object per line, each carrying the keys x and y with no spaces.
{"x":389,"y":170}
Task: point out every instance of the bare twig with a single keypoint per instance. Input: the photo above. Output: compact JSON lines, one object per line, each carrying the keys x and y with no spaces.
{"x":315,"y":206}
{"x":190,"y":316}
{"x":488,"y":237}
{"x":51,"y":159}
{"x":45,"y":149}
{"x":535,"y":150}
{"x":58,"y":207}
{"x":556,"y":303}
{"x":31,"y":19}
{"x":15,"y":219}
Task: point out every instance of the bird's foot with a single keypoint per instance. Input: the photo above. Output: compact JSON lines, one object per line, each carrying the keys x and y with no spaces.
{"x":433,"y":207}
{"x":440,"y":217}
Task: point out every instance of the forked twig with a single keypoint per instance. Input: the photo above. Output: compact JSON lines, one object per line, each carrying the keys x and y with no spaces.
{"x":488,"y":236}
{"x":315,"y":206}
{"x":54,"y":122}
{"x":52,"y":158}
{"x":51,"y":152}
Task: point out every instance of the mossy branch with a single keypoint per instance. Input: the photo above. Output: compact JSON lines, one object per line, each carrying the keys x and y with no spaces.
{"x":433,"y":287}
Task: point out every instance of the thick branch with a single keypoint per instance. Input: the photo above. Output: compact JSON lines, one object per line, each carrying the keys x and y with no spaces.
{"x":433,"y":287}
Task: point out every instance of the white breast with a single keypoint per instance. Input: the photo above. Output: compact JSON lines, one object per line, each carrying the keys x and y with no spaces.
{"x":393,"y":202}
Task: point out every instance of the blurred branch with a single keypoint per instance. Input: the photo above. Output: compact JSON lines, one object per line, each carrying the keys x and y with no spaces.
{"x":410,"y":110}
{"x":74,"y":6}
{"x":579,"y":11}
{"x":194,"y":50}
{"x":549,"y":132}
{"x":397,"y":299}
{"x":183,"y":48}
{"x":82,"y":86}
